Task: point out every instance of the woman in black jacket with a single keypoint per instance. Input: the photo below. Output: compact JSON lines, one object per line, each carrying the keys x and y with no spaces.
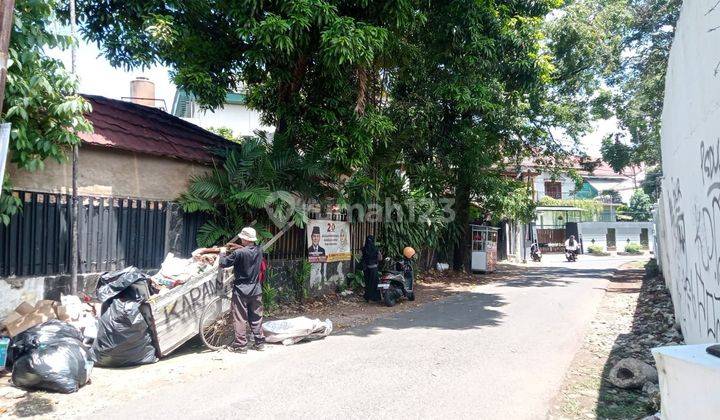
{"x":370,"y":258}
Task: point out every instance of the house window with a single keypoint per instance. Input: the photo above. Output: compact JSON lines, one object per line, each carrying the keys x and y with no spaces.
{"x":553,"y":189}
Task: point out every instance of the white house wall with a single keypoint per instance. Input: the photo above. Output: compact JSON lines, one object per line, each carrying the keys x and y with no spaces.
{"x":567,"y":185}
{"x":691,"y":166}
{"x":627,"y":188}
{"x":625,"y":233}
{"x":242,"y":120}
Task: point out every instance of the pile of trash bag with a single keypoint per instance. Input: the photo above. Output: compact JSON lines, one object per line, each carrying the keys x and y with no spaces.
{"x":124,"y":337}
{"x":127,"y":284}
{"x":294,"y":330}
{"x":50,"y":356}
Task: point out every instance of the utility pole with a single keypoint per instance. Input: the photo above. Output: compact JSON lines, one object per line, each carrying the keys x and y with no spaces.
{"x":75,"y":154}
{"x":7,"y":8}
{"x":6,"y":23}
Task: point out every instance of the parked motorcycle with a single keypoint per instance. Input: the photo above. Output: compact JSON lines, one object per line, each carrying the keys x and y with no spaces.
{"x":571,"y":255}
{"x":535,"y":253}
{"x":398,"y":280}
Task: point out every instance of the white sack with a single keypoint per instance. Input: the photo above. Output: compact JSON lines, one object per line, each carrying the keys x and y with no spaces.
{"x":293,"y":330}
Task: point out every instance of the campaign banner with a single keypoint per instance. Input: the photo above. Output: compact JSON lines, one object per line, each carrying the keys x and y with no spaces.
{"x":328,"y":241}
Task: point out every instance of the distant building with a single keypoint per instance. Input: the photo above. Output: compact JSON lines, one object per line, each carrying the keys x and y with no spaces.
{"x":600,"y":179}
{"x":234,"y":114}
{"x":550,"y":226}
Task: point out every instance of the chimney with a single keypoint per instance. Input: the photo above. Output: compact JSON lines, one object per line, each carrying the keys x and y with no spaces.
{"x":142,"y":91}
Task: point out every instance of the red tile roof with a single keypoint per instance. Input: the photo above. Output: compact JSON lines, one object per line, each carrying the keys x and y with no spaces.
{"x":601,"y":170}
{"x":142,"y":129}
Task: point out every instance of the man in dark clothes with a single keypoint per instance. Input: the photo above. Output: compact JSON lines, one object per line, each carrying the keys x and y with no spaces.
{"x":247,"y":291}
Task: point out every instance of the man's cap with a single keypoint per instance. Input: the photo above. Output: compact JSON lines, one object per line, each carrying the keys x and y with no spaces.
{"x":248,"y":234}
{"x":316,"y":230}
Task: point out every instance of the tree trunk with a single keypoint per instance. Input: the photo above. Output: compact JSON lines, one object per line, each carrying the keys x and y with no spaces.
{"x":462,"y":218}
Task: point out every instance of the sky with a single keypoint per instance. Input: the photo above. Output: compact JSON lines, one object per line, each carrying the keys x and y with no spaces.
{"x":98,"y":77}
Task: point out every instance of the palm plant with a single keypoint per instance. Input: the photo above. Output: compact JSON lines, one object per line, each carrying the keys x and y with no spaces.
{"x":251,"y":179}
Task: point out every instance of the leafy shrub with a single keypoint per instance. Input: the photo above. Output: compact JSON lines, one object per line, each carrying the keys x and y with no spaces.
{"x":652,"y":269}
{"x":302,"y":281}
{"x":633,"y":248}
{"x":596,"y":250}
{"x":356,"y":280}
{"x":252,"y":177}
{"x":269,"y":297}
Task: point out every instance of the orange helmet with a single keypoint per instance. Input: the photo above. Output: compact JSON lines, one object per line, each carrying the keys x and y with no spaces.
{"x":408,"y":252}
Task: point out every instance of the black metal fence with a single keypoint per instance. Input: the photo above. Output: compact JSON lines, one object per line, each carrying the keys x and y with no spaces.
{"x":113,"y":233}
{"x":37,"y":241}
{"x":191,"y":222}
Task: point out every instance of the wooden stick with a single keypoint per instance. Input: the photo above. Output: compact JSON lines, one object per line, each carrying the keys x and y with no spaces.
{"x":277,"y":236}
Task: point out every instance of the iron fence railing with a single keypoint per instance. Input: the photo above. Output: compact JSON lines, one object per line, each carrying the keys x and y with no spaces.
{"x":112,"y":233}
{"x":118,"y":232}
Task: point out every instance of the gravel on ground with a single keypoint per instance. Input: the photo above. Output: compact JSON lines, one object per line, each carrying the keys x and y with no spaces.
{"x":635,"y":315}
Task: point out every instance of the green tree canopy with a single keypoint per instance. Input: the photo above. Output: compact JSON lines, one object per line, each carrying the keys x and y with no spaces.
{"x":476,"y":93}
{"x":640,"y":207}
{"x":312,"y":67}
{"x":40,"y":99}
{"x":620,"y":48}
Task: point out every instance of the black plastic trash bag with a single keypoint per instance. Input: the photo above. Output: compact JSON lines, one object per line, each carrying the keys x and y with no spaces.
{"x":128,"y":284}
{"x":124,"y":337}
{"x":44,"y":333}
{"x":50,"y":356}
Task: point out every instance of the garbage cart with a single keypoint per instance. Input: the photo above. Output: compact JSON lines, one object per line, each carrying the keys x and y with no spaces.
{"x":176,"y":314}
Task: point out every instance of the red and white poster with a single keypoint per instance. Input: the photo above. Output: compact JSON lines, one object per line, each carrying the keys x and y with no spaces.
{"x":328,"y":241}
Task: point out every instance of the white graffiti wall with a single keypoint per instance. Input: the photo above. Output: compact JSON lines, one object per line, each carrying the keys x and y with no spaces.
{"x":689,"y":225}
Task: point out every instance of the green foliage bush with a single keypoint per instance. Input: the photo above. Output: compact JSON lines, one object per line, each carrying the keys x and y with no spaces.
{"x":651,"y":268}
{"x":633,"y":248}
{"x":302,"y":281}
{"x":251,"y":177}
{"x":269,"y":297}
{"x":596,"y":250}
{"x":640,"y":207}
{"x":356,"y":280}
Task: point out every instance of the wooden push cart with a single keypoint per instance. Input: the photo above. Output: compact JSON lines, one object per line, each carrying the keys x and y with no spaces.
{"x":202,"y":304}
{"x":175,"y":316}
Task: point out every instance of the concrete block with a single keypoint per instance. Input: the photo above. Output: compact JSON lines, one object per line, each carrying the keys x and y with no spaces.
{"x":689,"y":382}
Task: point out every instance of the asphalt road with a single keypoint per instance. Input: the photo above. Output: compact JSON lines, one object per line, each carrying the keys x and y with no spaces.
{"x":498,"y":352}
